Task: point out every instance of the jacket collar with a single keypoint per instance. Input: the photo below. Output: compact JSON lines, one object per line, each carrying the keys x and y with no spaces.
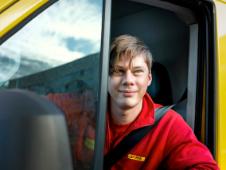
{"x":146,"y":116}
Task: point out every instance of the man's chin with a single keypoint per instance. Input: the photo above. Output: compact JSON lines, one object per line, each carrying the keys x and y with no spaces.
{"x":126,"y":106}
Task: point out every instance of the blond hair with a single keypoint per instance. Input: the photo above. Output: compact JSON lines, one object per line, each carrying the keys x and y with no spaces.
{"x":130,"y":46}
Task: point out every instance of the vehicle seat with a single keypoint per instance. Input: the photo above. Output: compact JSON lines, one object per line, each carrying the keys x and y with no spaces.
{"x":161,"y":91}
{"x":160,"y":88}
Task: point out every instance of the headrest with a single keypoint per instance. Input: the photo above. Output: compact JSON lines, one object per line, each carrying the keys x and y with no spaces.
{"x":160,"y":88}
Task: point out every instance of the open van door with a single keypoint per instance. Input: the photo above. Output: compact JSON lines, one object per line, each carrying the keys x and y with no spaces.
{"x":15,"y":13}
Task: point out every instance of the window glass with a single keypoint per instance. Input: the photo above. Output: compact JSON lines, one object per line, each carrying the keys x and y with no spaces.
{"x":57,"y":55}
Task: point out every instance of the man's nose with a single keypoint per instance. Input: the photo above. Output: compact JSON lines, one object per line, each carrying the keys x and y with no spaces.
{"x":128,"y":78}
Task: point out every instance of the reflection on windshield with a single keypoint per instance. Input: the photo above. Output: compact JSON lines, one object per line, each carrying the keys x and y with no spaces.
{"x":79,"y":109}
{"x":9,"y":65}
{"x":53,"y":38}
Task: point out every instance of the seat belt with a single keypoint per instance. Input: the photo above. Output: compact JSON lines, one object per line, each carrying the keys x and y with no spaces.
{"x":132,"y":139}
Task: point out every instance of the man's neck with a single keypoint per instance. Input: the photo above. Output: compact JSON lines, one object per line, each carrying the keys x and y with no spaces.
{"x":123,"y":116}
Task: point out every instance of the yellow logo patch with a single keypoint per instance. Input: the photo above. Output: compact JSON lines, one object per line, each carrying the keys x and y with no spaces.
{"x":136,"y":157}
{"x":89,"y":143}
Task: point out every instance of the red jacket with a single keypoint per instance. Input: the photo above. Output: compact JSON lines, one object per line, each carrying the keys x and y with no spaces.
{"x":171,"y":144}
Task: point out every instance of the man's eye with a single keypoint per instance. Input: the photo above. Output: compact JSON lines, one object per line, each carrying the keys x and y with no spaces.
{"x":138,"y":71}
{"x":118,"y":71}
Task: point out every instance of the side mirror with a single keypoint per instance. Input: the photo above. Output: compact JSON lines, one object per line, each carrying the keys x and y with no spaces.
{"x":33,"y":133}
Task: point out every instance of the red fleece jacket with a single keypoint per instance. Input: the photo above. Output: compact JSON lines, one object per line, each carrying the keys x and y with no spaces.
{"x":171,"y":144}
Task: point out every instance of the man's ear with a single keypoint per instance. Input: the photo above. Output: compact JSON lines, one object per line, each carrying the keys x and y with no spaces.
{"x":150,"y":79}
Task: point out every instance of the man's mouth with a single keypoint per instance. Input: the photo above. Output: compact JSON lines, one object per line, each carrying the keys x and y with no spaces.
{"x":127,"y":93}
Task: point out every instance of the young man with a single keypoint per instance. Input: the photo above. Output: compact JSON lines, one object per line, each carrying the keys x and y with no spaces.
{"x":171,"y":144}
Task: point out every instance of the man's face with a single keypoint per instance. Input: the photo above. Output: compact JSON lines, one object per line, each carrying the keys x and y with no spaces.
{"x":128,"y":83}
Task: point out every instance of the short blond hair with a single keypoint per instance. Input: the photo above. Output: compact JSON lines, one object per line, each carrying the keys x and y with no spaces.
{"x":127,"y":45}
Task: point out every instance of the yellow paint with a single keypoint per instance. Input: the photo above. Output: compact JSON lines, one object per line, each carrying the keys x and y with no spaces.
{"x":222,"y":1}
{"x":136,"y":157}
{"x":17,"y":13}
{"x":221,"y":84}
{"x":221,"y":105}
{"x":4,"y":4}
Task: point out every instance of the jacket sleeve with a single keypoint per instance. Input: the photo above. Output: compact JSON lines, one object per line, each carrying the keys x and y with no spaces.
{"x":184,"y":151}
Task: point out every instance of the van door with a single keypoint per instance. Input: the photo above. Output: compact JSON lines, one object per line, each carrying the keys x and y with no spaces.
{"x":61,"y":55}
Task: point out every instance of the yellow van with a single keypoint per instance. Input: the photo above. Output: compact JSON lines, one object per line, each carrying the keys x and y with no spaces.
{"x":60,"y":48}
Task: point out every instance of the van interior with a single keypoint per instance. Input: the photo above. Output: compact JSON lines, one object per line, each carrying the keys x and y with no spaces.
{"x":170,"y":32}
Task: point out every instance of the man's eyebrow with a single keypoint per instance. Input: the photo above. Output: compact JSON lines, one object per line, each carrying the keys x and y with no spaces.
{"x":123,"y":67}
{"x":118,"y":66}
{"x":138,"y":67}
